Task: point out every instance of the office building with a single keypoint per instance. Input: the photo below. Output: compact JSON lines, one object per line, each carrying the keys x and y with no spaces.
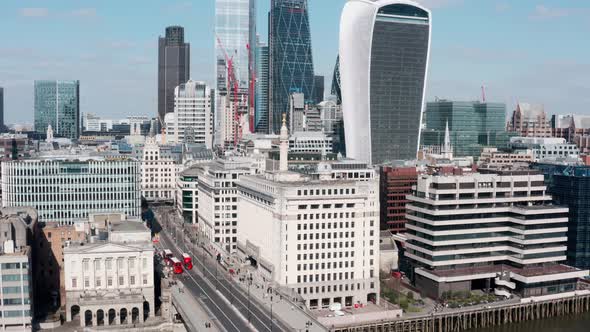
{"x":318,"y":89}
{"x":569,"y":186}
{"x":395,"y":184}
{"x":529,"y":120}
{"x":384,"y":50}
{"x":218,"y":201}
{"x":314,"y":142}
{"x":109,"y":281}
{"x":235,"y":53}
{"x":496,"y":230}
{"x":261,"y":115}
{"x":2,"y":125}
{"x":158,"y":173}
{"x":187,"y":195}
{"x":494,"y":157}
{"x":173,"y":68}
{"x":193,"y":114}
{"x":472,"y":126}
{"x":545,"y":148}
{"x":14,"y":147}
{"x":64,"y":189}
{"x":336,"y":88}
{"x":321,"y":237}
{"x":290,"y":57}
{"x":18,"y":226}
{"x":322,"y":233}
{"x":57,"y":103}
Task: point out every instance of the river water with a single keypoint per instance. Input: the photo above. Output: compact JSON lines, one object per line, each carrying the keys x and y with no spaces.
{"x":574,"y":323}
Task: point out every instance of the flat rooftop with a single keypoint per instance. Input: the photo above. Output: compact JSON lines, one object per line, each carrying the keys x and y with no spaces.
{"x":128,"y":226}
{"x":525,"y":272}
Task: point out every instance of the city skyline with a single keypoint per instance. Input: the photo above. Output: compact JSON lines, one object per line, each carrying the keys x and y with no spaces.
{"x":520,"y":68}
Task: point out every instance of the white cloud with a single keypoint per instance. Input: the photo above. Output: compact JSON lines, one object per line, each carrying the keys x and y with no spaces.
{"x":83,"y":12}
{"x":34,"y":12}
{"x":542,"y":12}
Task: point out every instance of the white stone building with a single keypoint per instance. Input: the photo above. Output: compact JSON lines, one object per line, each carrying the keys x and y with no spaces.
{"x":158,"y":174}
{"x":310,"y":142}
{"x":218,"y":200}
{"x":315,"y":234}
{"x":193,"y":114}
{"x":64,"y":189}
{"x":110,"y":281}
{"x":545,"y":147}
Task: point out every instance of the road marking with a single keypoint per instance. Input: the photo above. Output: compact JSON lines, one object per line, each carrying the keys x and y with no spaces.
{"x":210,"y":299}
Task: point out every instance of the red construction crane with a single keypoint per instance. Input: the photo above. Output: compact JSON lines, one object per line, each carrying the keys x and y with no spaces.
{"x":232,"y":85}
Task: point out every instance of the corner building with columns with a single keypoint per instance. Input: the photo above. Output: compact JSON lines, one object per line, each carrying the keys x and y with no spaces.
{"x":110,"y":281}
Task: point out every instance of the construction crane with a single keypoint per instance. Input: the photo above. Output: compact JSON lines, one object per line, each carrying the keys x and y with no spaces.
{"x":252,"y":88}
{"x":232,"y":85}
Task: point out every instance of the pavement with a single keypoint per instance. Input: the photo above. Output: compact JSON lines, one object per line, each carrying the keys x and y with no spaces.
{"x":199,"y":318}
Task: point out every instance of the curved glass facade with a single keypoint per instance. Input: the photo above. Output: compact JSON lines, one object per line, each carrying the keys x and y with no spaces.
{"x":399,"y":56}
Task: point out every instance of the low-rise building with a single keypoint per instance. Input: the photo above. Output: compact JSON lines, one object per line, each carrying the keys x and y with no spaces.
{"x":491,"y":156}
{"x":109,"y":281}
{"x":545,"y":148}
{"x":495,"y":230}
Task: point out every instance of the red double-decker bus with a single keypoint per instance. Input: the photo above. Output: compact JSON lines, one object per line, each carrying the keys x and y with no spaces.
{"x":188,"y":261}
{"x":176,"y":265}
{"x":167,"y":256}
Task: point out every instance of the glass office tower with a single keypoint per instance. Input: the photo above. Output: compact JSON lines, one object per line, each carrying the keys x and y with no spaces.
{"x":384,"y":50}
{"x":57,"y":103}
{"x":472,"y":126}
{"x":2,"y":128}
{"x":173,"y":67}
{"x":291,"y":62}
{"x":261,"y":114}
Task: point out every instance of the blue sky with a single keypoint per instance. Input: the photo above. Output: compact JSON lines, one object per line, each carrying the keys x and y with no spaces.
{"x":525,"y":50}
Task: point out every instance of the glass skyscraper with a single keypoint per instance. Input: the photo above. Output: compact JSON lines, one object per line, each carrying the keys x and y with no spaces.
{"x":2,"y":128}
{"x":261,"y":114}
{"x":384,"y":50}
{"x":57,"y":103}
{"x":173,"y":67}
{"x":291,"y":62}
{"x":472,"y":126}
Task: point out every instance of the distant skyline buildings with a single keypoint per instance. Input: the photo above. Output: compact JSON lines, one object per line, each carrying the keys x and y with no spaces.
{"x":173,"y":67}
{"x":384,"y":50}
{"x":57,"y":103}
{"x":290,"y":57}
{"x":2,"y":127}
{"x":261,"y":113}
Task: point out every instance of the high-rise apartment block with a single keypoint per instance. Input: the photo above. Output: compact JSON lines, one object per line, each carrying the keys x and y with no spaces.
{"x":530,"y":120}
{"x":495,"y":230}
{"x":290,"y":57}
{"x":321,"y":235}
{"x":261,"y":115}
{"x":384,"y":50}
{"x":193,"y":114}
{"x":57,"y":104}
{"x":17,"y":229}
{"x":173,"y":67}
{"x":472,"y":126}
{"x":396,"y":183}
{"x":68,"y":188}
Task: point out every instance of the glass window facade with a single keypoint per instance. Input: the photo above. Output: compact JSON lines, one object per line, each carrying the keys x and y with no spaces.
{"x":291,"y":62}
{"x":173,"y":67}
{"x":261,"y":115}
{"x":399,"y":56}
{"x":472,"y":126}
{"x":57,"y":103}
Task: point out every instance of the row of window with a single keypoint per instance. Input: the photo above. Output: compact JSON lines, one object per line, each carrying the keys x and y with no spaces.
{"x":329,"y":288}
{"x":108,"y":262}
{"x":323,"y":192}
{"x":323,"y":255}
{"x":346,"y":224}
{"x":110,"y":279}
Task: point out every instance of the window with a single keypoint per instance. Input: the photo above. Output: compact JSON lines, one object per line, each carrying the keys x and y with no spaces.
{"x":86,"y":264}
{"x":98,"y":283}
{"x":109,"y":263}
{"x":120,"y":263}
{"x":132,"y":280}
{"x":131,"y":263}
{"x":145,"y":279}
{"x":86,"y":282}
{"x":11,"y":277}
{"x":110,"y":281}
{"x":97,"y":264}
{"x":74,"y":283}
{"x":121,"y":280}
